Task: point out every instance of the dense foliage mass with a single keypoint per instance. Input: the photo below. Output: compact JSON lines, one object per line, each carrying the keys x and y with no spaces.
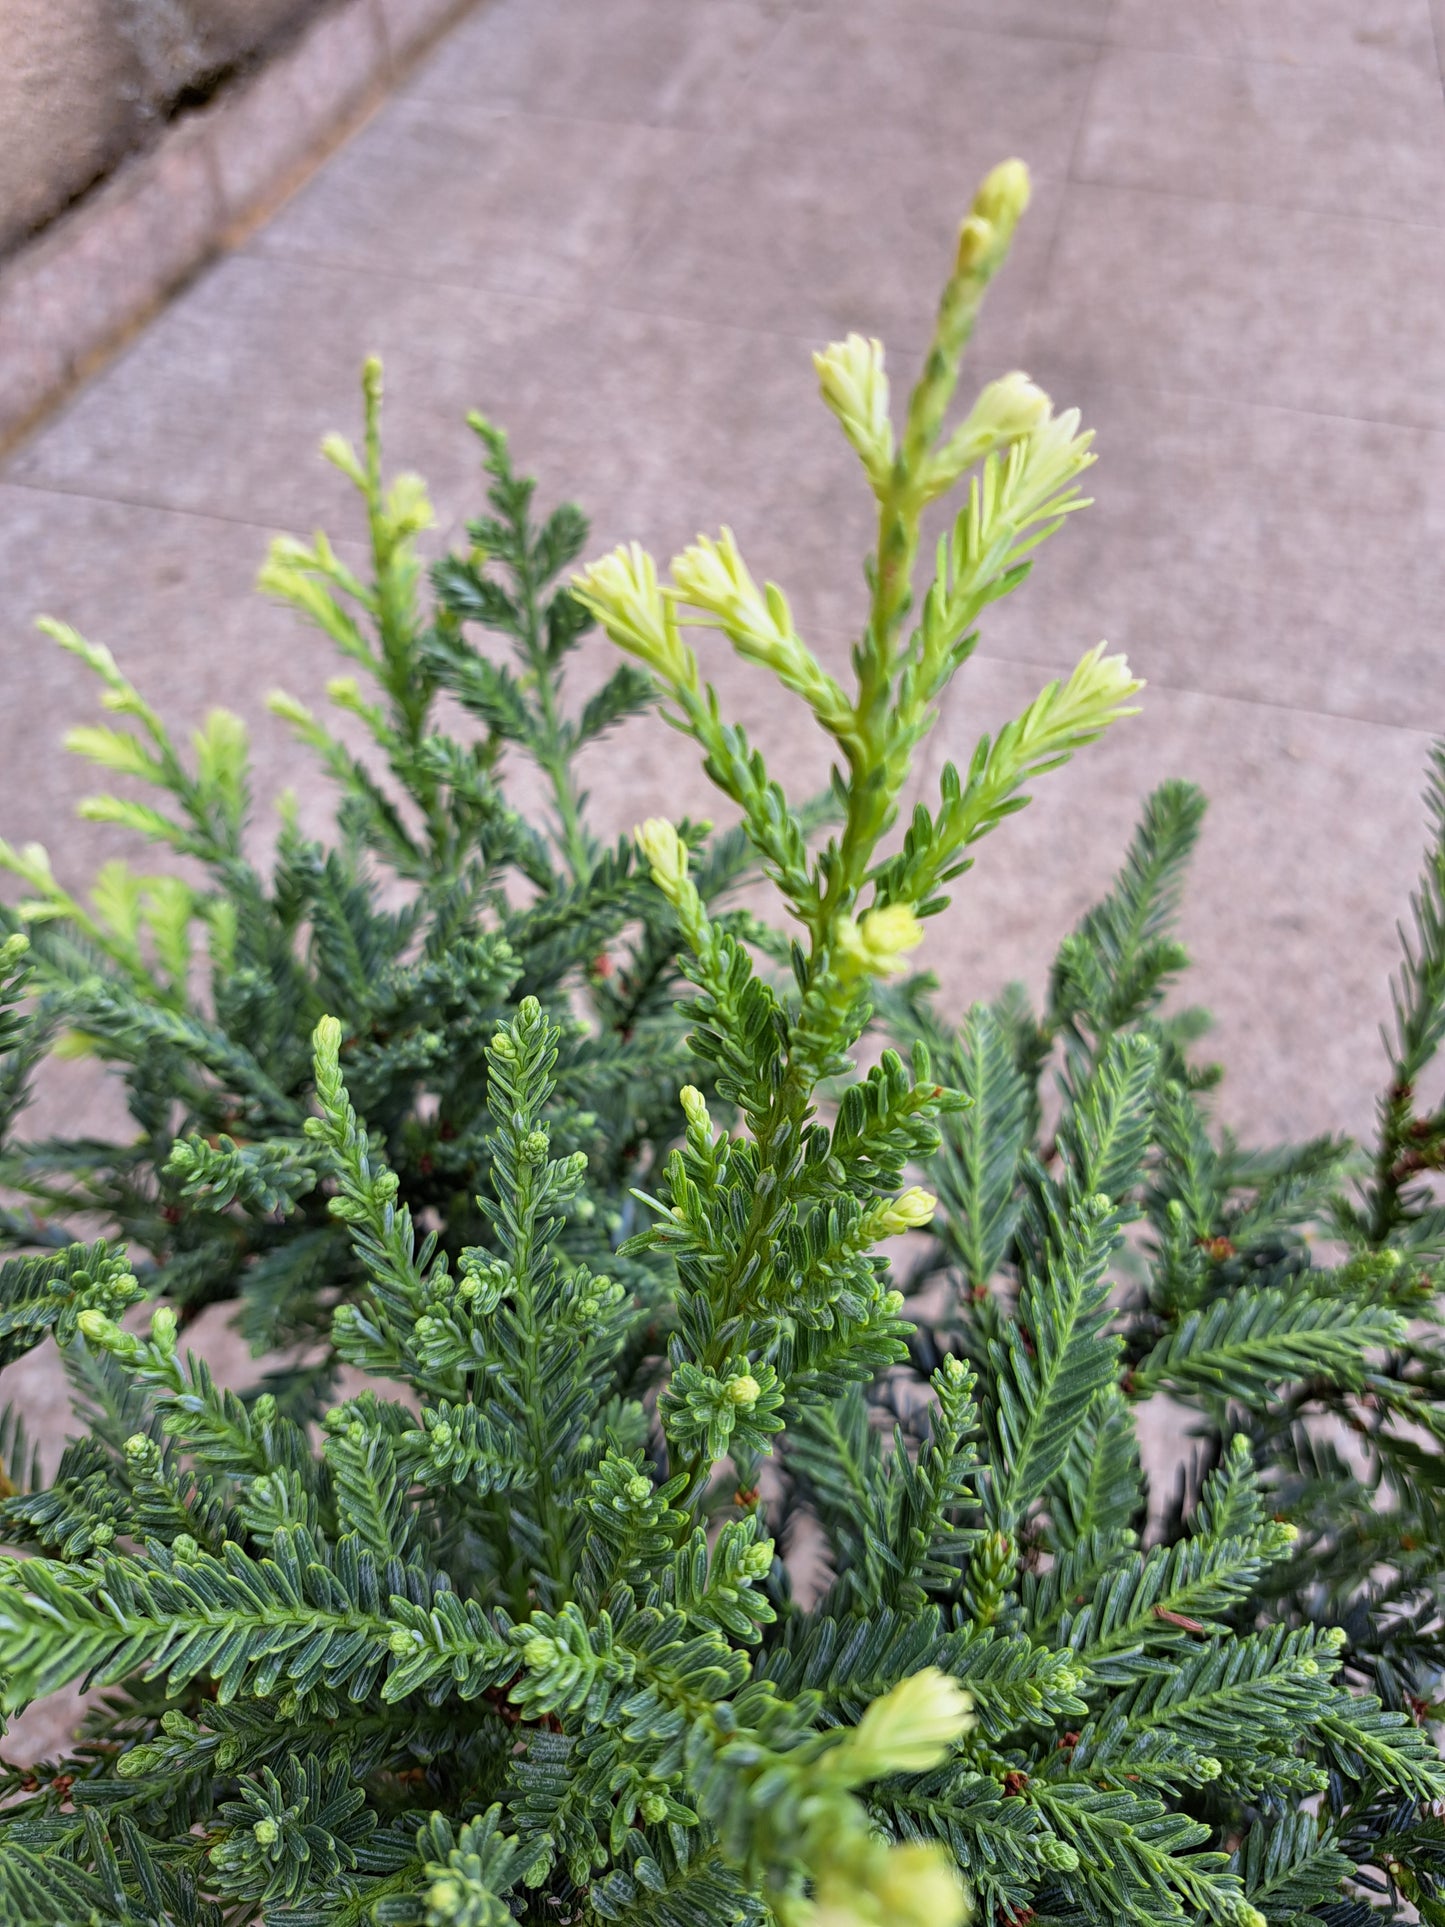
{"x":441,"y":903}
{"x":662,"y":1561}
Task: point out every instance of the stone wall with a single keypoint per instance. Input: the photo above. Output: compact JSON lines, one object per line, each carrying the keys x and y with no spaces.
{"x":85,"y":82}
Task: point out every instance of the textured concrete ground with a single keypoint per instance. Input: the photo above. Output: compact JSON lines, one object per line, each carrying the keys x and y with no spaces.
{"x":620,"y":230}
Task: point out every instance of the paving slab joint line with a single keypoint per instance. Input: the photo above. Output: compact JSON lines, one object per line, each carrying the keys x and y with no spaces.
{"x":73,"y":298}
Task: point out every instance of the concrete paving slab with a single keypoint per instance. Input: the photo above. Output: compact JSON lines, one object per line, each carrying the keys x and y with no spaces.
{"x":628,"y":61}
{"x":819,"y":232}
{"x":1302,"y":32}
{"x":220,"y":406}
{"x":1085,"y":20}
{"x":918,"y":70}
{"x":1310,"y":849}
{"x":173,"y":597}
{"x":1298,"y":310}
{"x":659,"y":426}
{"x":524,"y":204}
{"x":171,"y":593}
{"x":1247,"y":551}
{"x":1364,"y":138}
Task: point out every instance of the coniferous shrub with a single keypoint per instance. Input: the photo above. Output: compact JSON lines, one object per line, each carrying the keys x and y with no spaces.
{"x":521,"y":1630}
{"x":1286,"y":1298}
{"x":439,"y":905}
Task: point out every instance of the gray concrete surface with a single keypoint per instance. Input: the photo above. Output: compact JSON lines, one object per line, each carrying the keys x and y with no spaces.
{"x":621,"y":229}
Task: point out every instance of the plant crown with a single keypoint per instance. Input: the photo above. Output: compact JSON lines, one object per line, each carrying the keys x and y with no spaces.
{"x":659,"y":1559}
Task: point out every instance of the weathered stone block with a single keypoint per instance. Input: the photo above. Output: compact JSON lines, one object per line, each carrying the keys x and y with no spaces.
{"x":188,"y":43}
{"x":71,"y":100}
{"x":75,"y":292}
{"x":266,"y":130}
